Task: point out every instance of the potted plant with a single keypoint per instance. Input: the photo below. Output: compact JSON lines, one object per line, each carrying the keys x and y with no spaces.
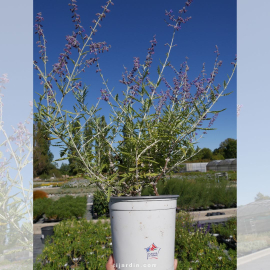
{"x":150,"y":132}
{"x":46,"y":232}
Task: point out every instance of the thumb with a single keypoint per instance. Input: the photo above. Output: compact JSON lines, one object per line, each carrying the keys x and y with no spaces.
{"x":110,"y":263}
{"x":175,"y":264}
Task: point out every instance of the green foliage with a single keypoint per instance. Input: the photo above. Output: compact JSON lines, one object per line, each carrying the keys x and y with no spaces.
{"x":101,"y":145}
{"x":100,"y":204}
{"x":232,"y":176}
{"x":218,"y":156}
{"x":40,"y":205}
{"x":74,"y":161}
{"x":204,"y":154}
{"x":44,"y":176}
{"x":206,"y":175}
{"x":150,"y":191}
{"x":64,"y":169}
{"x":64,"y":208}
{"x":88,"y":141}
{"x":227,"y":149}
{"x":197,"y":249}
{"x":77,"y":244}
{"x":55,"y":173}
{"x":200,"y":192}
{"x":87,"y":245}
{"x":43,"y":156}
{"x":227,"y":231}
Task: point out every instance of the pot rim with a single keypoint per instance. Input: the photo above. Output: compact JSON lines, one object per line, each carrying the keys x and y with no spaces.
{"x":144,"y":197}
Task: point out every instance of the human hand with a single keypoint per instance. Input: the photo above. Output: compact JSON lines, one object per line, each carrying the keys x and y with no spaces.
{"x":175,"y":264}
{"x":110,"y":263}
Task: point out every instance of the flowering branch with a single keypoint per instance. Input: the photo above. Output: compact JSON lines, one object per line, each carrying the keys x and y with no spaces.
{"x":158,"y":127}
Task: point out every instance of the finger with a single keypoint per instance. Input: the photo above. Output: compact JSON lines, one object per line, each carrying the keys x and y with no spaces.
{"x":175,"y":264}
{"x":110,"y":261}
{"x":109,"y":265}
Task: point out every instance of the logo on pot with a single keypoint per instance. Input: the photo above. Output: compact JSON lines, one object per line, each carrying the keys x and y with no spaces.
{"x":152,"y":251}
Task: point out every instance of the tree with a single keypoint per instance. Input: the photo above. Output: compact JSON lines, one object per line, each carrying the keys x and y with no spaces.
{"x":227,"y":148}
{"x":42,"y":155}
{"x":230,"y":150}
{"x":204,"y":154}
{"x":260,"y":197}
{"x":64,"y":169}
{"x":217,"y":156}
{"x":101,"y":145}
{"x":88,"y":140}
{"x":74,"y":161}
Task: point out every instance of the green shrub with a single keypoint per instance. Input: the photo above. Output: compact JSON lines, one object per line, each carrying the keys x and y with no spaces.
{"x":195,"y":248}
{"x":38,"y":208}
{"x":64,"y":208}
{"x":199,"y":192}
{"x":77,"y":244}
{"x":87,"y":245}
{"x":150,"y":191}
{"x":100,"y":203}
{"x":55,"y":173}
{"x":232,"y":176}
{"x":230,"y":229}
{"x":44,"y":176}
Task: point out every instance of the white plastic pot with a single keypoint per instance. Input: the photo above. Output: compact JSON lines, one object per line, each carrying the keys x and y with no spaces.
{"x":143,"y":231}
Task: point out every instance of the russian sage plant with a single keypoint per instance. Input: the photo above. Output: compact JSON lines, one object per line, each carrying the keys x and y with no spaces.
{"x":150,"y":131}
{"x":15,"y":199}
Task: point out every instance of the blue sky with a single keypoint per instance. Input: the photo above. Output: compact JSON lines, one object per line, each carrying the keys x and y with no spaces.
{"x":16,"y":50}
{"x":128,"y":28}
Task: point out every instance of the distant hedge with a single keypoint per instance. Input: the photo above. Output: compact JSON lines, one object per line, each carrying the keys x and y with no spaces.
{"x":64,"y":208}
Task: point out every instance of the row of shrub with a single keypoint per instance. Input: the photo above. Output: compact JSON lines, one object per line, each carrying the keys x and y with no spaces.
{"x":51,"y":180}
{"x":194,"y":193}
{"x":49,"y":184}
{"x":52,"y":173}
{"x":77,"y":183}
{"x":232,"y":175}
{"x":64,"y":208}
{"x":87,"y":245}
{"x":63,"y":191}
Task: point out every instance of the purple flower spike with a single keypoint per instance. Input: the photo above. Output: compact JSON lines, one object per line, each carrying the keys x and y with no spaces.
{"x":151,"y":51}
{"x":104,"y":95}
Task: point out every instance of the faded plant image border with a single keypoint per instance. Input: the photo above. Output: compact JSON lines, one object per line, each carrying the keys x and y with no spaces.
{"x":16,"y":230}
